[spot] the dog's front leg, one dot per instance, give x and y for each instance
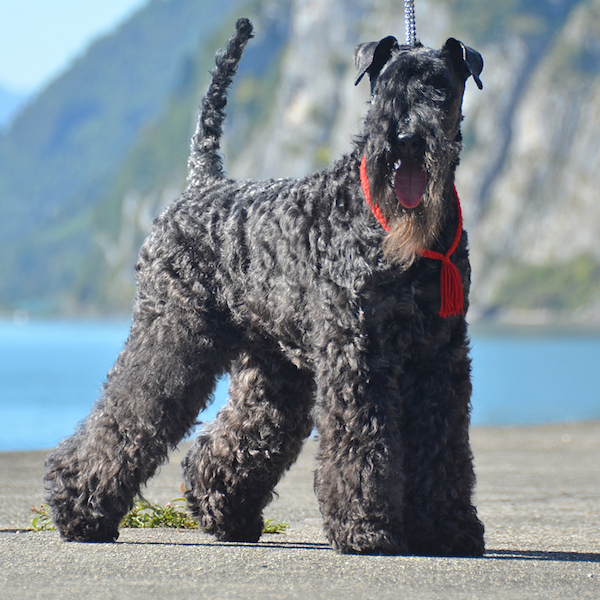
(439, 515)
(359, 482)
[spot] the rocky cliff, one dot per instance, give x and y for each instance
(529, 172)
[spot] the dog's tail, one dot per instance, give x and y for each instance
(205, 161)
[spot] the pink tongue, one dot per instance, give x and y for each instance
(409, 183)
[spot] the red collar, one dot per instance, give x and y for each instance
(451, 285)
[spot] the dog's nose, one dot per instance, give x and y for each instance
(411, 145)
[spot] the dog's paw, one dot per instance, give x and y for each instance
(472, 547)
(248, 531)
(81, 522)
(468, 546)
(87, 532)
(361, 539)
(461, 537)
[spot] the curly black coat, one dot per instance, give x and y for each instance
(284, 284)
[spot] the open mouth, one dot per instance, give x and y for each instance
(409, 182)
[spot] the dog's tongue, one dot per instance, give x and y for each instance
(409, 183)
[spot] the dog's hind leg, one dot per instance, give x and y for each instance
(151, 399)
(234, 464)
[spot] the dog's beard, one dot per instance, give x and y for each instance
(414, 230)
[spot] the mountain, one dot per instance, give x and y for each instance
(10, 103)
(63, 152)
(85, 168)
(535, 218)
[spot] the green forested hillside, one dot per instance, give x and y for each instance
(91, 161)
(153, 172)
(62, 155)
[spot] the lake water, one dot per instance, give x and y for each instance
(51, 373)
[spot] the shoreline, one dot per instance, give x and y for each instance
(523, 325)
(16, 454)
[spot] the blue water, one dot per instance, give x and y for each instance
(51, 373)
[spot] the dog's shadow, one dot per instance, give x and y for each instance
(267, 544)
(530, 555)
(553, 556)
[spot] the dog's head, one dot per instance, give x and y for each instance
(411, 139)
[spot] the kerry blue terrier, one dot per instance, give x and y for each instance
(339, 297)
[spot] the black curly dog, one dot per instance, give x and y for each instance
(321, 306)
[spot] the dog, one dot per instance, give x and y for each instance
(337, 299)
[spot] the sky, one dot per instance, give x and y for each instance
(40, 38)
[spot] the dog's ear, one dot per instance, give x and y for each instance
(465, 59)
(371, 58)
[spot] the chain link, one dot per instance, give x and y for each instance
(409, 20)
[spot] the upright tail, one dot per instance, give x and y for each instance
(205, 161)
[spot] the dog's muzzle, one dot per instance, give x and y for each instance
(409, 177)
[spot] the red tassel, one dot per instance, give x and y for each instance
(451, 290)
(451, 286)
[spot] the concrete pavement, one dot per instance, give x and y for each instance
(538, 494)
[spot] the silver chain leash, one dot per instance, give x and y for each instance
(409, 21)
